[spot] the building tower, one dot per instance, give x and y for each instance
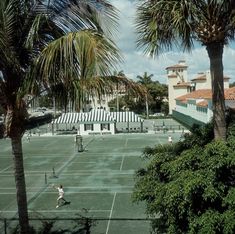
(177, 80)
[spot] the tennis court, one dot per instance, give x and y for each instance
(98, 182)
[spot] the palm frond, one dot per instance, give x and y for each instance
(163, 24)
(160, 25)
(78, 55)
(74, 15)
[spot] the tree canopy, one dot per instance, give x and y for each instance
(188, 187)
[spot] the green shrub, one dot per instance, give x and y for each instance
(189, 186)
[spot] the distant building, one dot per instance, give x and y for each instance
(97, 122)
(196, 107)
(191, 101)
(177, 80)
(102, 102)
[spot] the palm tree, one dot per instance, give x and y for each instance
(146, 80)
(118, 74)
(44, 45)
(162, 24)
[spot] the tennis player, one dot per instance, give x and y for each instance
(61, 195)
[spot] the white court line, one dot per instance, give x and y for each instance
(120, 169)
(41, 173)
(99, 173)
(54, 211)
(6, 168)
(83, 162)
(78, 187)
(110, 215)
(85, 192)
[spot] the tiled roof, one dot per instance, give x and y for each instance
(226, 78)
(198, 94)
(229, 94)
(177, 66)
(203, 103)
(183, 84)
(172, 76)
(202, 77)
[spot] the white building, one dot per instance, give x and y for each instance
(191, 102)
(102, 102)
(196, 107)
(177, 80)
(97, 121)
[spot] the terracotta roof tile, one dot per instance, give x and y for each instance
(226, 78)
(172, 76)
(177, 66)
(202, 77)
(229, 94)
(198, 94)
(183, 84)
(203, 103)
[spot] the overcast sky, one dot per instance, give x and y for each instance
(135, 63)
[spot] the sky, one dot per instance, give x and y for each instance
(136, 63)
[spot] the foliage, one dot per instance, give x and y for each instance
(156, 94)
(45, 101)
(80, 225)
(164, 24)
(45, 45)
(231, 85)
(191, 189)
(165, 108)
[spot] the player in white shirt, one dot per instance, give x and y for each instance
(61, 195)
(170, 139)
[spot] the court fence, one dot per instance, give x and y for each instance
(80, 225)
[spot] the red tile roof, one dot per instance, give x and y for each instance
(229, 94)
(226, 78)
(172, 76)
(203, 103)
(177, 66)
(198, 94)
(183, 84)
(202, 77)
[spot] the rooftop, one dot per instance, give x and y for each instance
(229, 94)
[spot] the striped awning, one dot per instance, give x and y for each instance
(127, 116)
(97, 116)
(69, 118)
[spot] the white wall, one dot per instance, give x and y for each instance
(96, 129)
(192, 110)
(226, 84)
(171, 94)
(181, 75)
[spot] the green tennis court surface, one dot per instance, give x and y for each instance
(98, 182)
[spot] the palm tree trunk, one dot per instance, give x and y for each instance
(215, 52)
(20, 184)
(117, 99)
(147, 106)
